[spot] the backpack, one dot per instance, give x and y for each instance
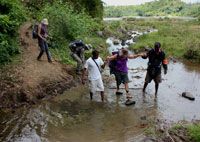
(75, 44)
(35, 31)
(113, 63)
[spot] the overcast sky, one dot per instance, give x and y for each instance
(135, 2)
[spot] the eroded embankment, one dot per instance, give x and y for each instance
(26, 80)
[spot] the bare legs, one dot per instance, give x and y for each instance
(102, 96)
(156, 88)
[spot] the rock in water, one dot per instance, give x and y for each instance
(115, 42)
(188, 96)
(129, 102)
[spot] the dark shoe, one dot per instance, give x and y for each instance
(38, 59)
(50, 61)
(119, 93)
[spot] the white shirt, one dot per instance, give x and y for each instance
(93, 71)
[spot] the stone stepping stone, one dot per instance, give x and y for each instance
(129, 102)
(188, 95)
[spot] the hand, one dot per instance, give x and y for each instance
(107, 58)
(50, 37)
(44, 39)
(83, 81)
(165, 71)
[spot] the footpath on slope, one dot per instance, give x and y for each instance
(27, 79)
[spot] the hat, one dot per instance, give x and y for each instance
(88, 46)
(45, 21)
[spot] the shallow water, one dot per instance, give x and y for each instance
(72, 117)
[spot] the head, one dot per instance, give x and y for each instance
(88, 46)
(157, 47)
(123, 53)
(95, 54)
(44, 21)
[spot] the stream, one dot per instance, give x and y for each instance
(72, 117)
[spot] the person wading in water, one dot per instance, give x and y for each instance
(121, 71)
(156, 59)
(93, 65)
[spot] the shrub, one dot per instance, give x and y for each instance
(12, 14)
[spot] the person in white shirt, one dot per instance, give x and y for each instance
(93, 65)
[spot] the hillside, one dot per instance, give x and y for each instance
(155, 8)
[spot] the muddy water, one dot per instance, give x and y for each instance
(72, 117)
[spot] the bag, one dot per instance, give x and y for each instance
(35, 31)
(113, 63)
(75, 44)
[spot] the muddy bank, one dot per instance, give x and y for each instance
(179, 132)
(27, 80)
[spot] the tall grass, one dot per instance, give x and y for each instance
(178, 39)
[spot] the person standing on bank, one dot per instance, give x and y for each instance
(121, 71)
(42, 39)
(93, 65)
(77, 48)
(156, 59)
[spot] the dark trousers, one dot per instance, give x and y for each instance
(43, 48)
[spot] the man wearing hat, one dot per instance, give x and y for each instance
(42, 36)
(77, 48)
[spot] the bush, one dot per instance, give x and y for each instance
(66, 25)
(12, 14)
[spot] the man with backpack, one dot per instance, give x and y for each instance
(42, 39)
(77, 48)
(118, 66)
(93, 65)
(156, 59)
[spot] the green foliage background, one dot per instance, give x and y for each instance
(155, 8)
(12, 15)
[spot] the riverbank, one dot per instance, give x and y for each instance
(179, 38)
(26, 80)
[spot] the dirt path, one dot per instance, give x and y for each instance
(36, 79)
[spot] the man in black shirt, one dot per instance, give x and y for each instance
(156, 59)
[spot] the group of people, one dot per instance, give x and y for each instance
(117, 63)
(118, 67)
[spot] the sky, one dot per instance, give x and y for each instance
(136, 2)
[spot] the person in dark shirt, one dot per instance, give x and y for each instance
(77, 48)
(157, 58)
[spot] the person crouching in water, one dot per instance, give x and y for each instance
(121, 70)
(77, 48)
(156, 59)
(93, 65)
(42, 39)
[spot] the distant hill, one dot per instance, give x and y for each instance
(155, 8)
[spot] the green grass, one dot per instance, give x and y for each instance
(178, 39)
(194, 132)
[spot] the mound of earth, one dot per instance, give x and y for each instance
(27, 79)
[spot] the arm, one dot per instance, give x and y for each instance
(134, 56)
(165, 65)
(83, 76)
(110, 58)
(39, 30)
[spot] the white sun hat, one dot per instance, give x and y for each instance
(45, 21)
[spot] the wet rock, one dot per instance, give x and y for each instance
(129, 102)
(149, 140)
(115, 42)
(135, 39)
(188, 96)
(124, 41)
(130, 37)
(100, 34)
